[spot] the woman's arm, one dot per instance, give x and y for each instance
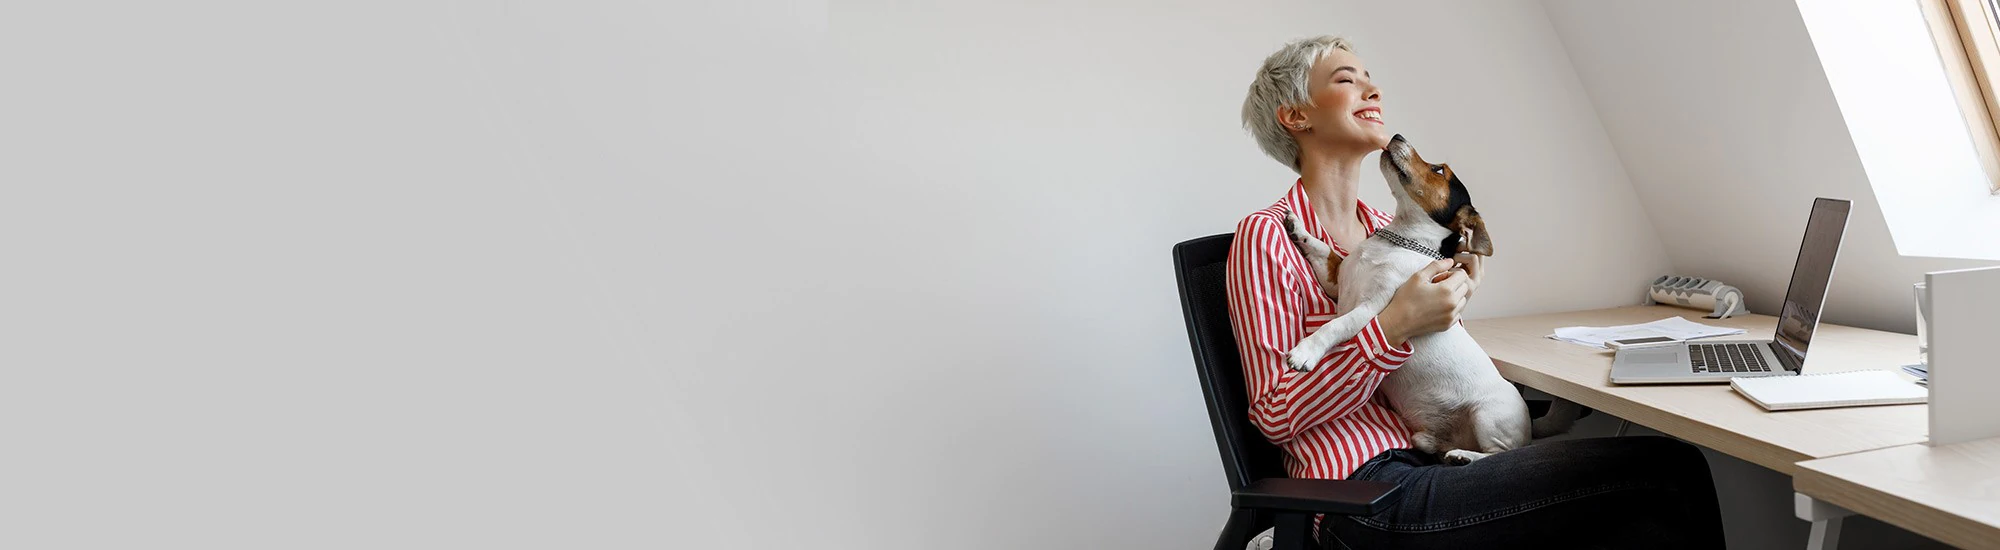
(1266, 312)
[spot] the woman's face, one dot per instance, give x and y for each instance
(1346, 114)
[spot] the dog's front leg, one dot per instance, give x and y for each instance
(1319, 256)
(1315, 346)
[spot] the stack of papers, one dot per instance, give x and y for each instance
(1671, 327)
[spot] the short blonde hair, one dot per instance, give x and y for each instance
(1284, 81)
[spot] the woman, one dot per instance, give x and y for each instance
(1314, 108)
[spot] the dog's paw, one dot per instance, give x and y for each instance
(1461, 457)
(1301, 359)
(1297, 231)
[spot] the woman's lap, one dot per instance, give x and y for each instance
(1627, 492)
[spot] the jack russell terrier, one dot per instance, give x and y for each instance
(1448, 393)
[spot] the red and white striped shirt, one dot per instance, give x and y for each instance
(1328, 420)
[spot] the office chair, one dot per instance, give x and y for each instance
(1260, 493)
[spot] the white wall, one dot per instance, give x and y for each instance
(1099, 104)
(1723, 118)
(286, 276)
(686, 275)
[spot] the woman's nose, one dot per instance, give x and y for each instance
(1374, 93)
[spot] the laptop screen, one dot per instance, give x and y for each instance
(1810, 275)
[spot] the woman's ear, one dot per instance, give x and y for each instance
(1472, 231)
(1293, 119)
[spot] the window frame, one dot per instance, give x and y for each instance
(1963, 31)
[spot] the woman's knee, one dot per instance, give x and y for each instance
(1646, 448)
(1638, 458)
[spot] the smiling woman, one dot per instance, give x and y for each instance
(1314, 107)
(1285, 87)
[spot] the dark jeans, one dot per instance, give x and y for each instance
(1623, 492)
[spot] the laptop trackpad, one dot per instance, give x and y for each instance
(1664, 355)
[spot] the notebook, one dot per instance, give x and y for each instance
(1833, 389)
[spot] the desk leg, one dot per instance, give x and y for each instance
(1825, 518)
(1825, 535)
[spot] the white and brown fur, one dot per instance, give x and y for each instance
(1448, 392)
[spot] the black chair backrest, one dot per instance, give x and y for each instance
(1199, 267)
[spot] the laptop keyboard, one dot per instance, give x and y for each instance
(1727, 358)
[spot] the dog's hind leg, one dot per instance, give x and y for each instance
(1487, 427)
(1461, 457)
(1497, 425)
(1424, 441)
(1432, 433)
(1445, 449)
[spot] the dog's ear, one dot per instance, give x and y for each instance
(1468, 224)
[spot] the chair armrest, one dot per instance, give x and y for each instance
(1344, 497)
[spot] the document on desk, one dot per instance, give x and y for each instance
(1671, 327)
(1829, 389)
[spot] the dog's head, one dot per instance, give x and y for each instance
(1435, 191)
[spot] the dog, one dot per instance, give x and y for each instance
(1448, 393)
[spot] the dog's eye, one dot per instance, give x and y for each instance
(1437, 169)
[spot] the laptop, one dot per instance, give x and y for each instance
(1717, 362)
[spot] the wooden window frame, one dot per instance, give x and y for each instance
(1967, 44)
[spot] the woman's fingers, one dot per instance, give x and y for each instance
(1438, 270)
(1460, 283)
(1474, 266)
(1436, 267)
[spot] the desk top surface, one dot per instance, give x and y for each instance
(1712, 415)
(1950, 493)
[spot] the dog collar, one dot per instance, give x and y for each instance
(1408, 243)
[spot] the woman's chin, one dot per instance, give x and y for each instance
(1379, 139)
(1357, 143)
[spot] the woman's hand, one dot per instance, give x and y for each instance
(1430, 301)
(1475, 269)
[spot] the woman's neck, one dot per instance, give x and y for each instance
(1334, 186)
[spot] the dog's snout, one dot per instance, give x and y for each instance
(1398, 148)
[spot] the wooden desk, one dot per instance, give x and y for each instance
(1949, 493)
(1712, 415)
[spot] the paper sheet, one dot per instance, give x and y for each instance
(1671, 327)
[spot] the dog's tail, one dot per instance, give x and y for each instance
(1560, 418)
